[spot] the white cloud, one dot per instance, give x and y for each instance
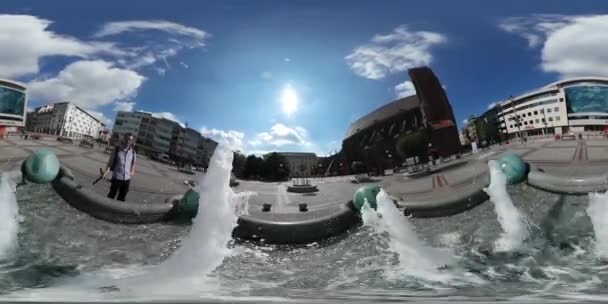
(124, 106)
(89, 84)
(150, 52)
(465, 121)
(266, 75)
(167, 115)
(280, 135)
(535, 28)
(393, 53)
(405, 89)
(108, 122)
(26, 39)
(114, 28)
(493, 104)
(231, 138)
(570, 45)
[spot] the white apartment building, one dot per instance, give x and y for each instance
(65, 119)
(567, 106)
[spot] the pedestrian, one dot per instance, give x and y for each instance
(122, 164)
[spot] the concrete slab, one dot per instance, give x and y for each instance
(597, 143)
(75, 149)
(58, 152)
(561, 154)
(520, 151)
(4, 143)
(27, 143)
(562, 143)
(12, 152)
(597, 153)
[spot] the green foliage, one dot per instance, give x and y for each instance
(413, 144)
(253, 166)
(238, 164)
(275, 167)
(357, 167)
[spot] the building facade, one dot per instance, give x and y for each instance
(484, 130)
(127, 122)
(301, 164)
(13, 104)
(155, 135)
(65, 119)
(425, 117)
(573, 105)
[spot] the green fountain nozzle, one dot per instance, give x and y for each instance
(187, 206)
(364, 193)
(41, 167)
(514, 167)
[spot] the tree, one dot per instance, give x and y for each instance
(275, 167)
(413, 144)
(357, 167)
(238, 164)
(253, 166)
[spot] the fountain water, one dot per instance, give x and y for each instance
(282, 197)
(513, 223)
(207, 243)
(9, 215)
(598, 213)
(415, 258)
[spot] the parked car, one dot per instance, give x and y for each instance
(187, 170)
(65, 140)
(86, 144)
(164, 158)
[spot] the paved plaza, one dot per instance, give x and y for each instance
(156, 181)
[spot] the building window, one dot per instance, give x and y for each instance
(535, 112)
(557, 118)
(550, 118)
(549, 110)
(529, 113)
(530, 122)
(525, 123)
(561, 100)
(556, 109)
(542, 119)
(542, 110)
(537, 120)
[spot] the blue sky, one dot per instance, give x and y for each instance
(291, 75)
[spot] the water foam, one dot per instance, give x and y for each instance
(598, 213)
(9, 216)
(415, 258)
(207, 243)
(188, 270)
(513, 223)
(282, 197)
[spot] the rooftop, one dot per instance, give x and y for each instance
(382, 113)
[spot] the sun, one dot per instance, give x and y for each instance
(289, 100)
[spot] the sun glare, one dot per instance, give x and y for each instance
(289, 100)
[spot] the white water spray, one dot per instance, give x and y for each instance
(9, 216)
(282, 197)
(207, 244)
(415, 258)
(515, 230)
(598, 213)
